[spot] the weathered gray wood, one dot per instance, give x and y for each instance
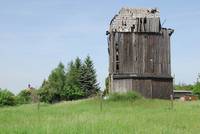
(143, 55)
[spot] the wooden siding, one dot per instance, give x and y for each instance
(145, 53)
(149, 88)
(146, 56)
(139, 53)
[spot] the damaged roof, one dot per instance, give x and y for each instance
(128, 19)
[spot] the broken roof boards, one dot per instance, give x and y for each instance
(136, 20)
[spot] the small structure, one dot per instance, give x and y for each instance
(180, 93)
(185, 95)
(139, 53)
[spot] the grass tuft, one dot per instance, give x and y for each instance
(128, 96)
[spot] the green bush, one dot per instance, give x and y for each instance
(106, 91)
(73, 92)
(184, 87)
(128, 96)
(7, 98)
(24, 97)
(27, 96)
(196, 89)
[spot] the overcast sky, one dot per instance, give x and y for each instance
(35, 35)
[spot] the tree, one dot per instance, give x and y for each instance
(43, 92)
(78, 81)
(24, 97)
(183, 86)
(196, 88)
(7, 98)
(56, 82)
(106, 91)
(29, 95)
(72, 89)
(51, 89)
(88, 78)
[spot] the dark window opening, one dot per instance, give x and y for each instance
(140, 21)
(117, 54)
(117, 50)
(145, 20)
(117, 67)
(133, 28)
(117, 57)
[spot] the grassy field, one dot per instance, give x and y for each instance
(85, 117)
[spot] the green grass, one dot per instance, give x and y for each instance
(117, 117)
(129, 96)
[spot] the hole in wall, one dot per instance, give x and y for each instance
(133, 28)
(145, 20)
(117, 67)
(117, 57)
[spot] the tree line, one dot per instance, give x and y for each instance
(195, 88)
(75, 81)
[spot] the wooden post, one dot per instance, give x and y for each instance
(101, 103)
(99, 95)
(38, 106)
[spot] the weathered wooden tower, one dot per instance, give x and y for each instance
(139, 53)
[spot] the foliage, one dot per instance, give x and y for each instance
(7, 98)
(88, 78)
(73, 92)
(106, 91)
(44, 93)
(196, 89)
(72, 89)
(184, 87)
(51, 89)
(129, 96)
(24, 97)
(56, 82)
(75, 82)
(27, 96)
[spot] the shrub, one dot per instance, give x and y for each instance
(27, 96)
(184, 87)
(24, 97)
(129, 96)
(73, 92)
(44, 94)
(106, 91)
(196, 89)
(7, 98)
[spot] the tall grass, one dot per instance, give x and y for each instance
(128, 96)
(117, 117)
